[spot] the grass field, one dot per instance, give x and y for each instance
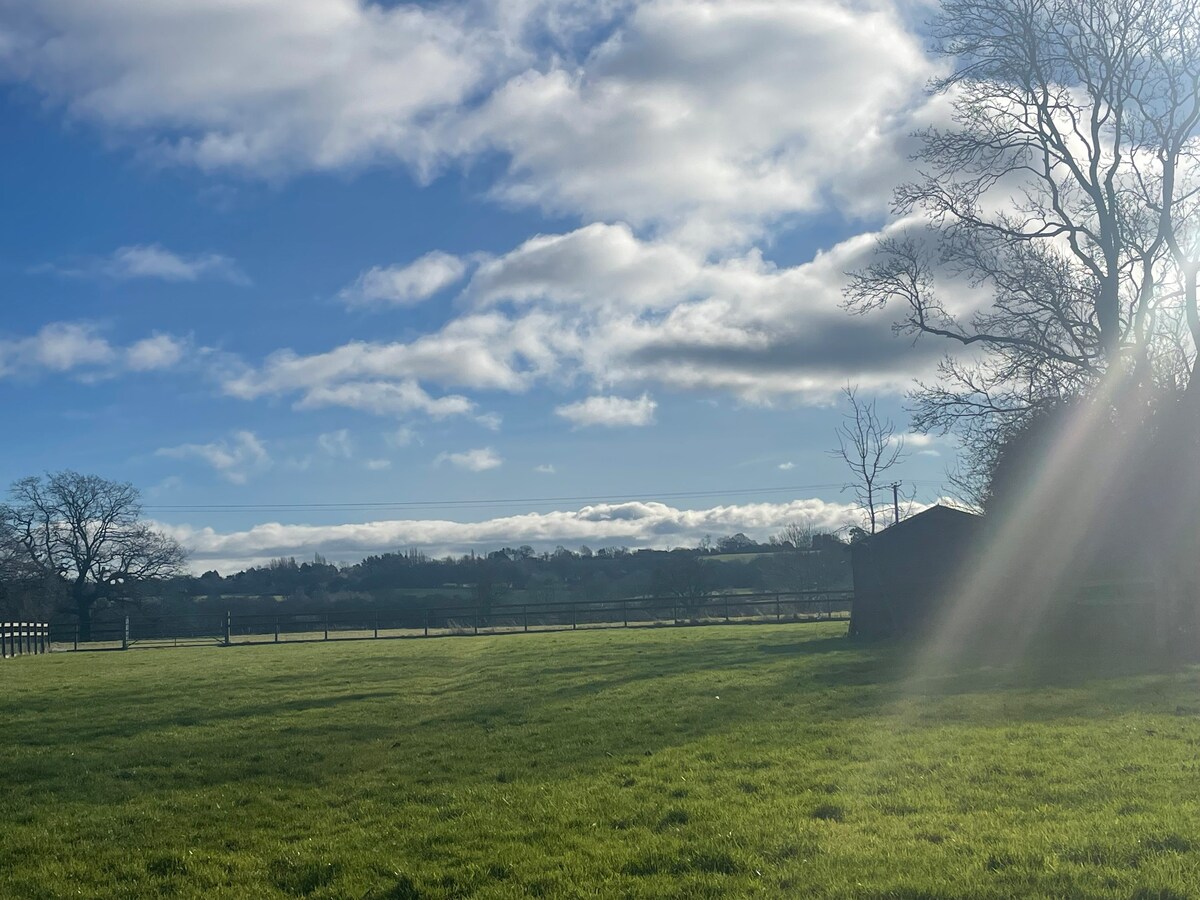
(704, 762)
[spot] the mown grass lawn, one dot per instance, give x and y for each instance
(722, 761)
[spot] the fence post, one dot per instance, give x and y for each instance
(475, 620)
(624, 613)
(277, 629)
(377, 625)
(574, 615)
(125, 635)
(778, 617)
(726, 607)
(426, 623)
(525, 614)
(228, 628)
(76, 647)
(326, 626)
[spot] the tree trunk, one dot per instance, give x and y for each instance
(83, 610)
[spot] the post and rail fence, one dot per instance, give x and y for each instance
(24, 638)
(231, 629)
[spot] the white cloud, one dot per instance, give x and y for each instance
(596, 264)
(269, 86)
(405, 285)
(787, 466)
(545, 469)
(491, 421)
(151, 261)
(58, 347)
(160, 351)
(337, 444)
(703, 118)
(923, 443)
(385, 399)
(377, 465)
(562, 307)
(400, 437)
(235, 459)
(478, 460)
(634, 524)
(708, 118)
(610, 412)
(481, 351)
(81, 350)
(155, 261)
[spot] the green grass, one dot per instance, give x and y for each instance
(702, 762)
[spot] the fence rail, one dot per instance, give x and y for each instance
(24, 638)
(337, 624)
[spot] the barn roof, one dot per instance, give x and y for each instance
(934, 518)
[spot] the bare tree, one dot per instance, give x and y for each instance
(1067, 188)
(870, 447)
(799, 536)
(86, 534)
(685, 579)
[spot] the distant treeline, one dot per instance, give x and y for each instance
(797, 559)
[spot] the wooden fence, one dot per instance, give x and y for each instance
(342, 624)
(24, 638)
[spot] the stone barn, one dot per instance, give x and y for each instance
(903, 574)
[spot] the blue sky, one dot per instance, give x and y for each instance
(331, 253)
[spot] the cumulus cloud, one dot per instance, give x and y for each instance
(58, 347)
(235, 459)
(160, 351)
(478, 460)
(545, 469)
(710, 117)
(405, 285)
(610, 412)
(270, 87)
(481, 351)
(633, 524)
(80, 349)
(706, 118)
(561, 307)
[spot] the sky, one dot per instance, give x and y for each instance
(345, 277)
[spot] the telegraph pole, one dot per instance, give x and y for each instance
(895, 502)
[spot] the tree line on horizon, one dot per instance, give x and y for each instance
(76, 546)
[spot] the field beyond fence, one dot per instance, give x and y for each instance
(338, 624)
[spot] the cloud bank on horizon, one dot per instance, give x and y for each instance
(634, 524)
